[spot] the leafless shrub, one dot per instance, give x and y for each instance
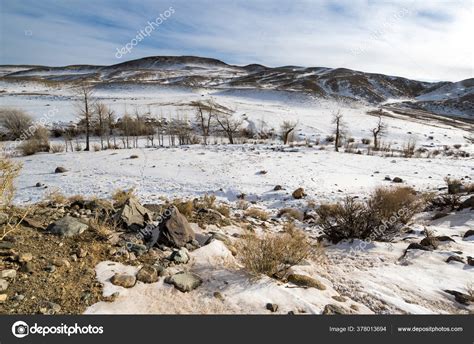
(257, 213)
(17, 123)
(379, 218)
(9, 171)
(273, 254)
(121, 196)
(56, 148)
(408, 149)
(38, 142)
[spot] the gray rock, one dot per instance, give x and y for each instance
(468, 203)
(298, 193)
(25, 257)
(138, 249)
(468, 233)
(3, 285)
(50, 308)
(175, 230)
(455, 258)
(67, 227)
(60, 169)
(332, 309)
(134, 215)
(272, 307)
(184, 281)
(147, 274)
(220, 237)
(123, 280)
(180, 256)
(8, 273)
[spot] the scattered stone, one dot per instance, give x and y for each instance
(455, 188)
(218, 295)
(277, 188)
(50, 268)
(461, 297)
(134, 156)
(305, 281)
(220, 237)
(298, 193)
(138, 249)
(180, 256)
(397, 180)
(416, 246)
(134, 215)
(38, 185)
(25, 257)
(272, 307)
(123, 280)
(147, 274)
(470, 261)
(184, 281)
(3, 298)
(332, 309)
(444, 238)
(60, 170)
(339, 298)
(468, 203)
(18, 297)
(455, 258)
(67, 227)
(50, 308)
(175, 230)
(387, 178)
(28, 267)
(468, 233)
(8, 273)
(3, 285)
(81, 252)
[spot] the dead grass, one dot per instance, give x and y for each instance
(257, 213)
(121, 196)
(291, 213)
(9, 171)
(274, 253)
(380, 217)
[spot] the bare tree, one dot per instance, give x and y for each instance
(204, 114)
(85, 105)
(286, 128)
(110, 127)
(228, 124)
(339, 131)
(101, 115)
(378, 131)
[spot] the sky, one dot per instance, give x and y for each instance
(426, 40)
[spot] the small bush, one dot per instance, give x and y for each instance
(38, 142)
(291, 213)
(408, 149)
(330, 138)
(56, 197)
(18, 124)
(96, 147)
(56, 148)
(450, 201)
(224, 210)
(185, 207)
(380, 217)
(273, 254)
(366, 141)
(257, 213)
(121, 196)
(9, 170)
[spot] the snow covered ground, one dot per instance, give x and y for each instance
(375, 280)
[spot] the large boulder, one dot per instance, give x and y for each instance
(174, 230)
(67, 227)
(184, 281)
(469, 203)
(133, 215)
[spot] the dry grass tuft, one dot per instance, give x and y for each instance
(274, 253)
(257, 214)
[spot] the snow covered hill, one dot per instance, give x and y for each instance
(451, 99)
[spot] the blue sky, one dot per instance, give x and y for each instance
(428, 40)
